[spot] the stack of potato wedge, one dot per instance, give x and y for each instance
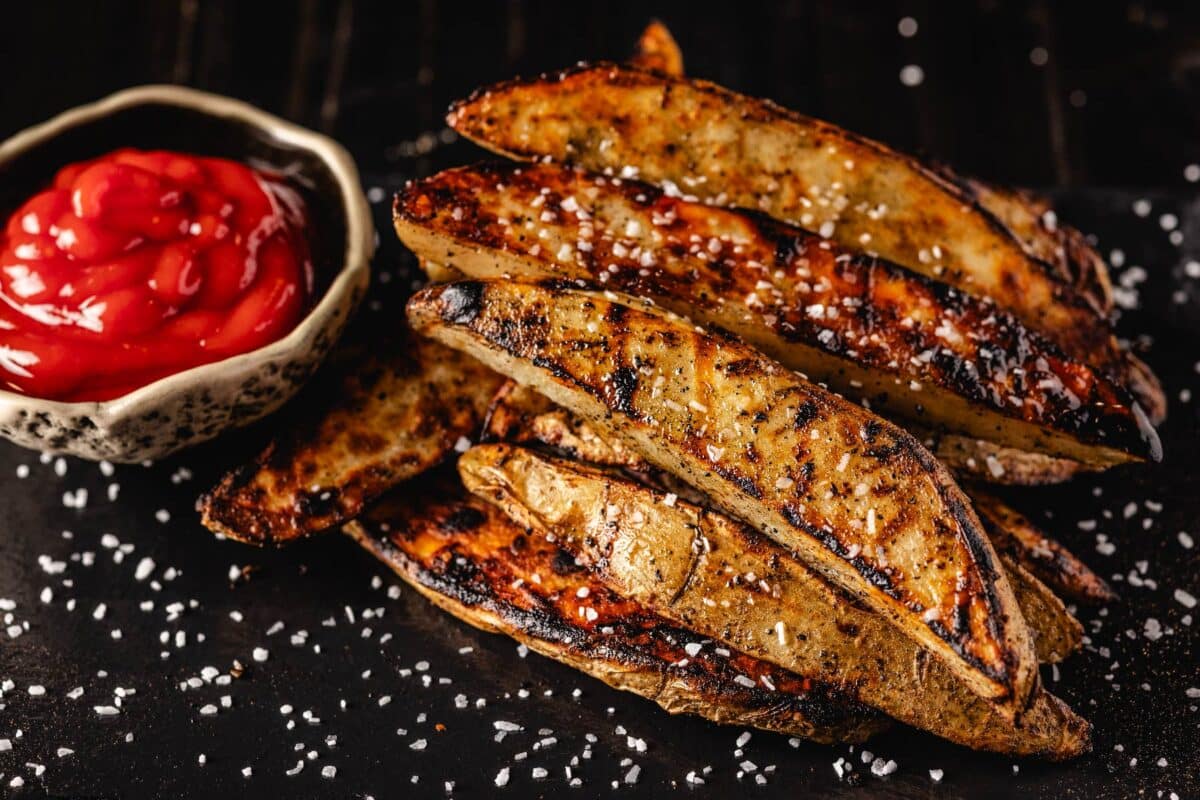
(741, 379)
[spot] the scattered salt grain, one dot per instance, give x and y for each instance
(911, 75)
(144, 568)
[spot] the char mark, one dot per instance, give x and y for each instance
(625, 384)
(462, 303)
(805, 415)
(739, 479)
(318, 502)
(464, 518)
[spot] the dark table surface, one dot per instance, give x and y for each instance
(375, 692)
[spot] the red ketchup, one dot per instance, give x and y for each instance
(140, 264)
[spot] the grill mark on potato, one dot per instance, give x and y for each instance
(625, 383)
(804, 415)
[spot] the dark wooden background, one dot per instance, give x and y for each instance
(1117, 101)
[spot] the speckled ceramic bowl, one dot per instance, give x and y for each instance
(196, 404)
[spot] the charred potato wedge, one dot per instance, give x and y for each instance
(1027, 216)
(722, 579)
(987, 462)
(1032, 221)
(470, 560)
(519, 414)
(657, 50)
(395, 415)
(1056, 632)
(855, 496)
(1016, 536)
(913, 347)
(726, 147)
(512, 410)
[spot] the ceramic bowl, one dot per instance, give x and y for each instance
(196, 404)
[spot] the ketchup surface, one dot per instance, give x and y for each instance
(141, 264)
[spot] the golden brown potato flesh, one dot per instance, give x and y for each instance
(1056, 632)
(720, 145)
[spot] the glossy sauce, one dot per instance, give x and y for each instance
(137, 265)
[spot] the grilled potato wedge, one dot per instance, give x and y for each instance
(472, 561)
(852, 494)
(1015, 535)
(722, 579)
(395, 415)
(519, 413)
(988, 462)
(1056, 634)
(1031, 220)
(512, 411)
(913, 347)
(723, 146)
(1028, 217)
(657, 50)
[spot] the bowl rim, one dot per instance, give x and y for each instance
(354, 271)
